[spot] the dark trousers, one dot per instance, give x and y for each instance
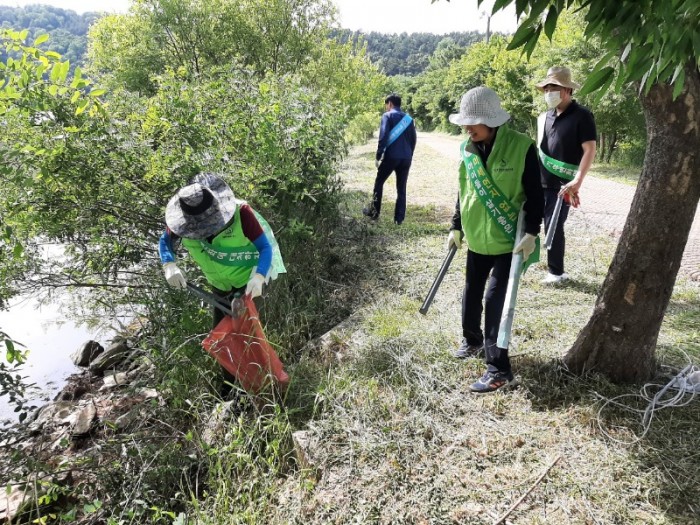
(387, 166)
(555, 255)
(478, 269)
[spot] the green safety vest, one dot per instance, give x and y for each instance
(505, 165)
(228, 260)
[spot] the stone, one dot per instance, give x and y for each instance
(114, 380)
(83, 420)
(216, 424)
(114, 355)
(55, 411)
(305, 445)
(15, 502)
(86, 353)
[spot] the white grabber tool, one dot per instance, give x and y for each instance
(516, 267)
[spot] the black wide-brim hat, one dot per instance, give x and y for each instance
(201, 209)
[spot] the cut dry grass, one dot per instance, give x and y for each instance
(401, 440)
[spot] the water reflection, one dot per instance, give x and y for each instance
(51, 338)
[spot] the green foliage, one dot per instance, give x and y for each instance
(657, 41)
(68, 30)
(409, 54)
(361, 128)
(277, 36)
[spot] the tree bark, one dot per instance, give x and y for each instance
(620, 338)
(612, 142)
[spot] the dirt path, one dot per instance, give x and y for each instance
(605, 205)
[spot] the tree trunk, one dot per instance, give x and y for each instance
(612, 142)
(601, 150)
(619, 340)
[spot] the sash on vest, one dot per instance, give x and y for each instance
(561, 169)
(556, 167)
(499, 207)
(397, 130)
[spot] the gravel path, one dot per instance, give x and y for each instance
(606, 203)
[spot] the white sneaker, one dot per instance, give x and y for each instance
(555, 279)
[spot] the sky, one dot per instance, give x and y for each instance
(385, 16)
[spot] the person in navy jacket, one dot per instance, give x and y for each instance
(397, 142)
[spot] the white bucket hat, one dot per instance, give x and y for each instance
(559, 76)
(201, 209)
(480, 105)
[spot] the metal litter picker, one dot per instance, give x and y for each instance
(438, 280)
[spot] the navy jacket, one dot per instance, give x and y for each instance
(402, 147)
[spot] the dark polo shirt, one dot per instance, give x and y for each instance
(563, 136)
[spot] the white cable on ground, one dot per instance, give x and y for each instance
(686, 385)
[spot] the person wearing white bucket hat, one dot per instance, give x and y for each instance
(566, 136)
(499, 175)
(231, 243)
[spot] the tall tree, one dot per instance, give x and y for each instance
(656, 47)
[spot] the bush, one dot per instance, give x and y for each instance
(361, 128)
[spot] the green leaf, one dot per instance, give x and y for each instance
(603, 89)
(595, 81)
(678, 84)
(41, 39)
(97, 92)
(82, 106)
(521, 36)
(550, 24)
(498, 5)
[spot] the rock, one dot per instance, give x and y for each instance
(57, 410)
(111, 357)
(86, 353)
(334, 344)
(305, 445)
(14, 502)
(216, 423)
(114, 380)
(77, 385)
(83, 421)
(126, 420)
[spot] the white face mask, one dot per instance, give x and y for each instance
(552, 98)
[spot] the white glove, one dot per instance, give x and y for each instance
(376, 163)
(255, 285)
(526, 245)
(174, 275)
(455, 238)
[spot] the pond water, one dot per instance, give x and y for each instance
(50, 338)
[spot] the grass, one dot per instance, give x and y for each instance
(617, 173)
(399, 438)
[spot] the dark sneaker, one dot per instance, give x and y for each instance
(398, 223)
(492, 381)
(466, 350)
(368, 212)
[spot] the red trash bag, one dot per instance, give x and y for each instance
(240, 346)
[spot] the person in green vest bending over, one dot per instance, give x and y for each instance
(232, 243)
(499, 175)
(566, 136)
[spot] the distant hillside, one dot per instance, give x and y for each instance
(395, 54)
(407, 54)
(67, 29)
